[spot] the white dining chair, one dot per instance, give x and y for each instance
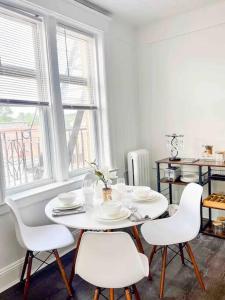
(47, 238)
(179, 229)
(111, 260)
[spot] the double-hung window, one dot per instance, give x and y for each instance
(23, 101)
(77, 70)
(28, 123)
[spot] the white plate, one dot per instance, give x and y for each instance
(189, 178)
(61, 205)
(124, 214)
(153, 196)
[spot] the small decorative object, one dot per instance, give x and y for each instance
(174, 144)
(172, 173)
(103, 176)
(207, 152)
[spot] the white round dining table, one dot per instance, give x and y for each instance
(88, 220)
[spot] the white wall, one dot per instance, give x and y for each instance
(121, 96)
(181, 81)
(122, 90)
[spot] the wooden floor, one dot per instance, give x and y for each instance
(180, 280)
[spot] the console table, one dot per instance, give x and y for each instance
(207, 172)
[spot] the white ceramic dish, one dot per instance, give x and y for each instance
(189, 178)
(123, 215)
(141, 192)
(67, 198)
(61, 205)
(152, 196)
(111, 208)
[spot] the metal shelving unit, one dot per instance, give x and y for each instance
(205, 175)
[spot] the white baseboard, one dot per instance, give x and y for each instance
(10, 275)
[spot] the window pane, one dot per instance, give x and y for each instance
(22, 70)
(23, 145)
(80, 134)
(76, 66)
(17, 49)
(16, 88)
(72, 93)
(73, 53)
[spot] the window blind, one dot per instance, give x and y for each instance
(22, 72)
(76, 66)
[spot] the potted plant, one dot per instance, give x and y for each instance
(104, 177)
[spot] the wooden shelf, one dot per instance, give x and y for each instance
(209, 231)
(193, 162)
(178, 182)
(165, 180)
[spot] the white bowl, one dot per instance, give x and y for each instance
(142, 192)
(111, 208)
(67, 198)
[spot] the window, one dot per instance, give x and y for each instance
(23, 101)
(77, 83)
(38, 94)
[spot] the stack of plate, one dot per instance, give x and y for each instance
(189, 178)
(59, 205)
(148, 197)
(122, 215)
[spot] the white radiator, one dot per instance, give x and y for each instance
(139, 167)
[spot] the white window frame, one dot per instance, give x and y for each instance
(14, 71)
(60, 170)
(95, 106)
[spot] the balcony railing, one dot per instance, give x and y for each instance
(24, 158)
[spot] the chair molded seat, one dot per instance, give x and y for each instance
(47, 237)
(110, 260)
(167, 231)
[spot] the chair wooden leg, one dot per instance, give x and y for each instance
(150, 260)
(97, 293)
(75, 257)
(136, 293)
(181, 253)
(24, 266)
(27, 282)
(111, 294)
(138, 240)
(128, 294)
(163, 272)
(197, 273)
(62, 272)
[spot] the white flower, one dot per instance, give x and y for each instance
(105, 172)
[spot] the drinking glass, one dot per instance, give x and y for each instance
(88, 190)
(121, 187)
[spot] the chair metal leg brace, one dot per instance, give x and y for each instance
(129, 291)
(165, 264)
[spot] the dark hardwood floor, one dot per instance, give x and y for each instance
(180, 284)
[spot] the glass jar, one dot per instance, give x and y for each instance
(217, 227)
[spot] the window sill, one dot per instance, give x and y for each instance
(43, 193)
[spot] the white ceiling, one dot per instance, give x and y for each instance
(143, 11)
